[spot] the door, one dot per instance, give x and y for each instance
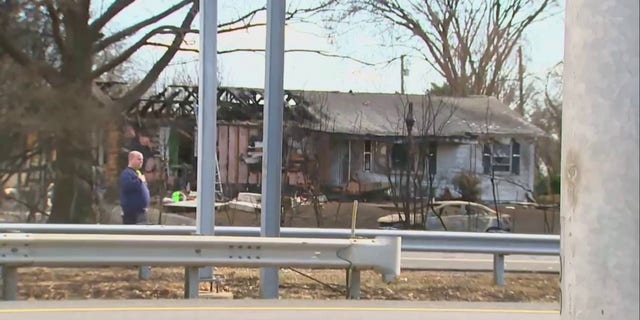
(339, 167)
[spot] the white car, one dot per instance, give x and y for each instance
(455, 215)
(247, 201)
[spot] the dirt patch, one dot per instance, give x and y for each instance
(167, 283)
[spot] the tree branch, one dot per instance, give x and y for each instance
(136, 92)
(126, 54)
(468, 42)
(319, 52)
(55, 26)
(110, 13)
(48, 73)
(124, 33)
(242, 27)
(249, 16)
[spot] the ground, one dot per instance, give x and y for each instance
(339, 215)
(121, 283)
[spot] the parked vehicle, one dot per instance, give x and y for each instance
(247, 201)
(455, 215)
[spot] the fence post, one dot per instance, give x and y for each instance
(498, 269)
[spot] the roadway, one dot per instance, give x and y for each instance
(272, 310)
(477, 262)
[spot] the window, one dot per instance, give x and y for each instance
(449, 210)
(367, 156)
(399, 156)
(501, 157)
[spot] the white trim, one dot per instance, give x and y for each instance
(349, 164)
(364, 156)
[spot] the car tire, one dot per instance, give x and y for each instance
(495, 230)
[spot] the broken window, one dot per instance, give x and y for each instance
(399, 156)
(501, 157)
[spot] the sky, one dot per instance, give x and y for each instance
(542, 49)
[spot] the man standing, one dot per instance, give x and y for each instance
(134, 193)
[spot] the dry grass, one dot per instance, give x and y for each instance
(123, 283)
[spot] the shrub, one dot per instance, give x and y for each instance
(467, 185)
(544, 181)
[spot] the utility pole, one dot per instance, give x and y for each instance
(402, 73)
(406, 203)
(207, 125)
(272, 133)
(600, 172)
(520, 83)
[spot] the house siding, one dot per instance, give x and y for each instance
(338, 150)
(451, 159)
(455, 158)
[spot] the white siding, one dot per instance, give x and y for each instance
(455, 158)
(452, 158)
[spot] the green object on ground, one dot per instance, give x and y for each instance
(177, 196)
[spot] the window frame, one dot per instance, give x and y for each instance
(431, 157)
(503, 166)
(367, 156)
(489, 158)
(398, 157)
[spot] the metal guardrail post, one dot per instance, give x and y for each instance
(353, 284)
(498, 269)
(144, 272)
(9, 283)
(191, 282)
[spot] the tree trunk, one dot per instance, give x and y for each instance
(73, 196)
(113, 154)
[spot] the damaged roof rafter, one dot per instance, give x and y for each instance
(243, 104)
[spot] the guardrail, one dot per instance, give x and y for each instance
(496, 244)
(425, 241)
(83, 250)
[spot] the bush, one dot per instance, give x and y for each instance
(542, 187)
(468, 186)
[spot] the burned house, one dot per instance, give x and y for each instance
(351, 143)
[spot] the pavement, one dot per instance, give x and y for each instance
(478, 262)
(273, 309)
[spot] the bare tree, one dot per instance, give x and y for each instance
(70, 106)
(469, 43)
(547, 115)
(412, 183)
(302, 137)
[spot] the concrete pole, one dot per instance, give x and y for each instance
(272, 135)
(207, 127)
(402, 74)
(599, 201)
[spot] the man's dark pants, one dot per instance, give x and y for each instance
(134, 218)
